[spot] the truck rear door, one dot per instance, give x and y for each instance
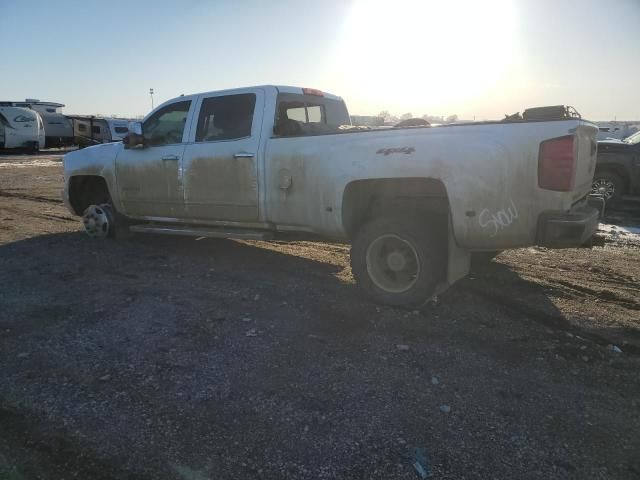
(221, 159)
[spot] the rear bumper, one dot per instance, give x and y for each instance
(572, 228)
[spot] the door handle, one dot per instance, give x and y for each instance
(172, 158)
(244, 155)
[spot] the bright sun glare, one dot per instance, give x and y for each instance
(408, 50)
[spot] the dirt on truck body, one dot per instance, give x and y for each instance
(170, 357)
(415, 204)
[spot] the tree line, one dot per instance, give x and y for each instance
(390, 118)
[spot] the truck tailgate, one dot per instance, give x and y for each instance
(586, 153)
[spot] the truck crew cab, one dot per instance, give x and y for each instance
(413, 202)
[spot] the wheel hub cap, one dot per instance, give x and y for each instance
(96, 221)
(392, 263)
(604, 188)
(396, 261)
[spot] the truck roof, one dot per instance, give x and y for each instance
(300, 91)
(278, 88)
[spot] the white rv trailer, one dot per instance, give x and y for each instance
(21, 128)
(91, 130)
(58, 128)
(119, 128)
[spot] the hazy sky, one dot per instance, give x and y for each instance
(472, 58)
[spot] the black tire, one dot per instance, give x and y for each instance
(103, 221)
(413, 239)
(120, 225)
(610, 186)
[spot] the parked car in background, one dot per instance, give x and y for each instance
(414, 203)
(617, 169)
(21, 128)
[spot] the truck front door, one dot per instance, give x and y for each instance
(220, 161)
(150, 179)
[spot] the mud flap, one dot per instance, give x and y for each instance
(458, 262)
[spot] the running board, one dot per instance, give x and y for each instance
(202, 232)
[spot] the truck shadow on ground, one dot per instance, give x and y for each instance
(173, 309)
(313, 276)
(498, 283)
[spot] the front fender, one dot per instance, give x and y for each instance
(98, 161)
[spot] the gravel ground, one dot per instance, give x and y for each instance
(162, 357)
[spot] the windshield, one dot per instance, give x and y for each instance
(633, 139)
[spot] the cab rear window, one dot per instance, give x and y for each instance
(308, 115)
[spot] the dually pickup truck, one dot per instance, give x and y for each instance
(414, 203)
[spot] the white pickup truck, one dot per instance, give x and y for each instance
(415, 203)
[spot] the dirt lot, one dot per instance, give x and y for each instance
(161, 357)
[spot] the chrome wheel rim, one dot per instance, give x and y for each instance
(96, 221)
(392, 263)
(603, 187)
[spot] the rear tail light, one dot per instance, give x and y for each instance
(557, 164)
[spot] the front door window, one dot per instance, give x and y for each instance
(166, 126)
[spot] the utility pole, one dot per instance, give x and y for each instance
(151, 94)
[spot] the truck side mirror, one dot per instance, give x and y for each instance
(135, 138)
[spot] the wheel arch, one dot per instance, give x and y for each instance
(363, 200)
(85, 190)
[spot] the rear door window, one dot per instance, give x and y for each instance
(226, 117)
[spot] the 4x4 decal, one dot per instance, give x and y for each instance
(388, 151)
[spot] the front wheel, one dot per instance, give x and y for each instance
(102, 221)
(397, 262)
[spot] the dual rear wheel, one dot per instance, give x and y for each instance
(397, 262)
